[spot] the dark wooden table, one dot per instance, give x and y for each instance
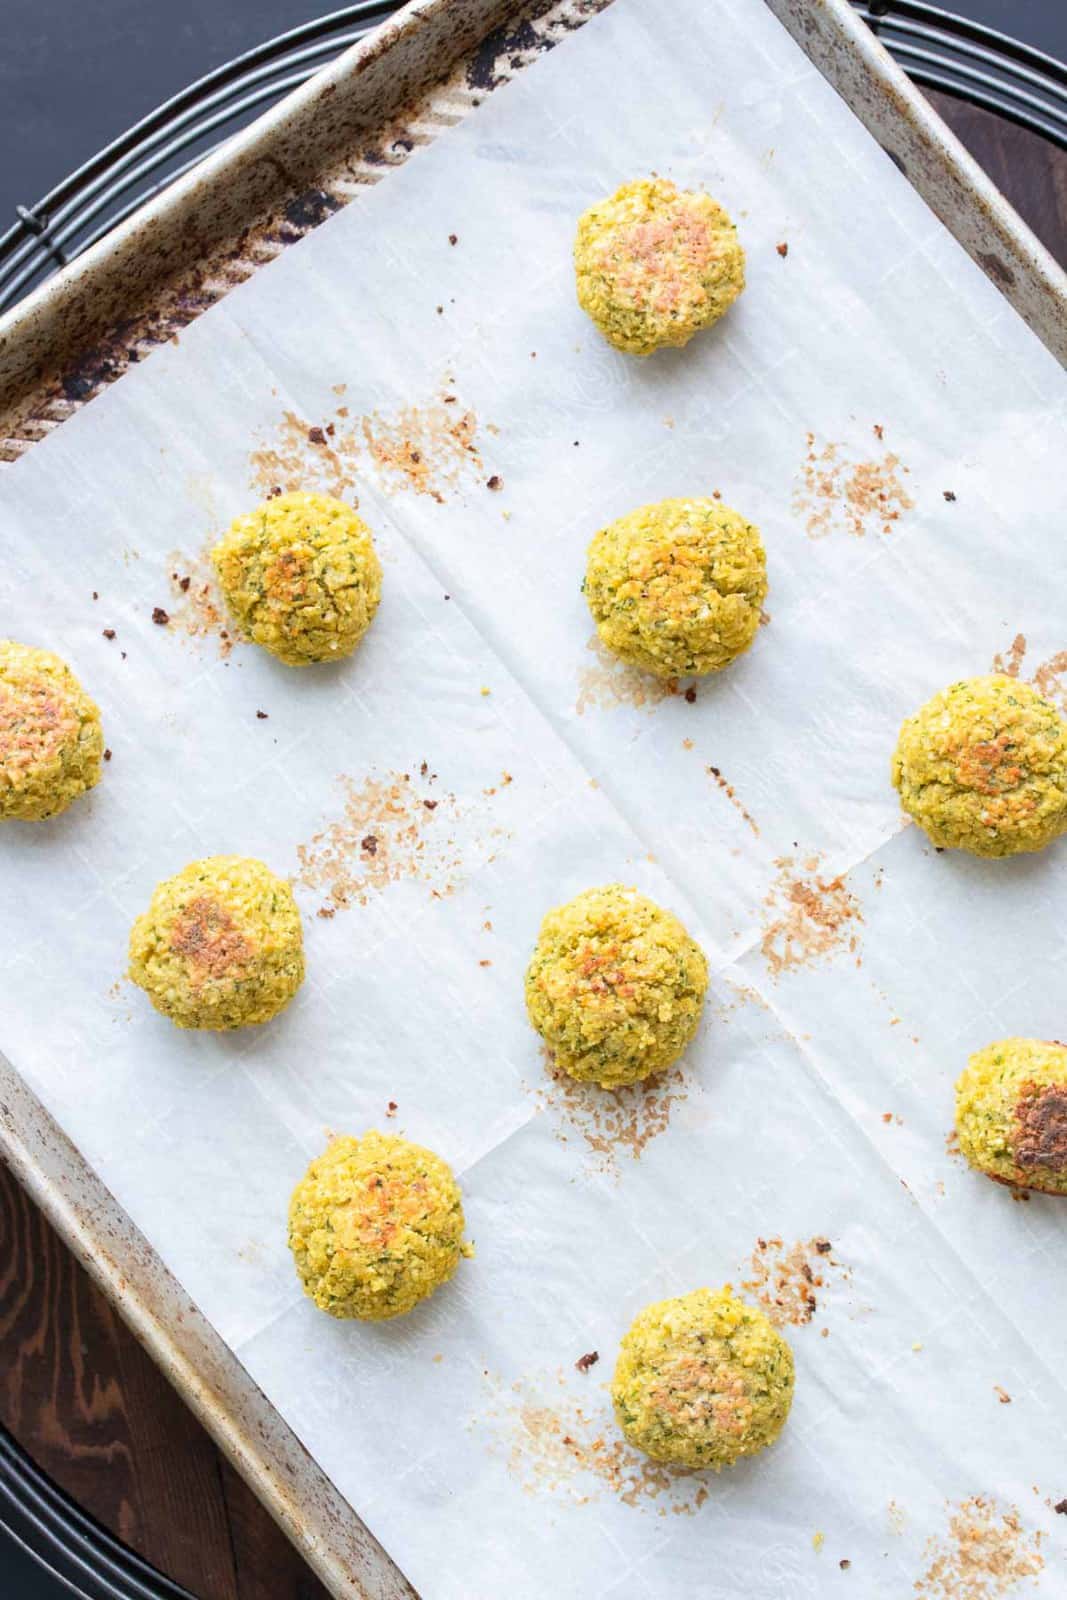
(75, 1387)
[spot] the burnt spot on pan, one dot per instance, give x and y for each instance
(308, 210)
(1001, 274)
(500, 54)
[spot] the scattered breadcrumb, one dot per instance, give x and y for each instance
(391, 827)
(607, 682)
(836, 493)
(783, 1278)
(557, 1445)
(610, 1123)
(984, 1554)
(810, 917)
(731, 794)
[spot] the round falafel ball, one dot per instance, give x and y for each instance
(51, 742)
(983, 767)
(220, 946)
(702, 1380)
(301, 577)
(615, 987)
(655, 264)
(676, 588)
(1011, 1113)
(375, 1225)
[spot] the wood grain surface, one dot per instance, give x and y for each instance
(75, 1387)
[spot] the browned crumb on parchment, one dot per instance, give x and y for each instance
(1049, 677)
(785, 1278)
(385, 832)
(298, 454)
(837, 492)
(431, 449)
(809, 917)
(731, 794)
(606, 682)
(391, 827)
(558, 1445)
(118, 992)
(1010, 661)
(609, 1123)
(196, 609)
(986, 1553)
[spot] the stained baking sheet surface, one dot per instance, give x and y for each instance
(891, 425)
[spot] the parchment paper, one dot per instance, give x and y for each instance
(815, 1103)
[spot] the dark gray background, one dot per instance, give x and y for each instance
(76, 73)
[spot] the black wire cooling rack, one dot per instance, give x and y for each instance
(50, 1547)
(938, 50)
(167, 143)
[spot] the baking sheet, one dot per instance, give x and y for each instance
(853, 968)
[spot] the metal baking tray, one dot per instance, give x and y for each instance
(349, 127)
